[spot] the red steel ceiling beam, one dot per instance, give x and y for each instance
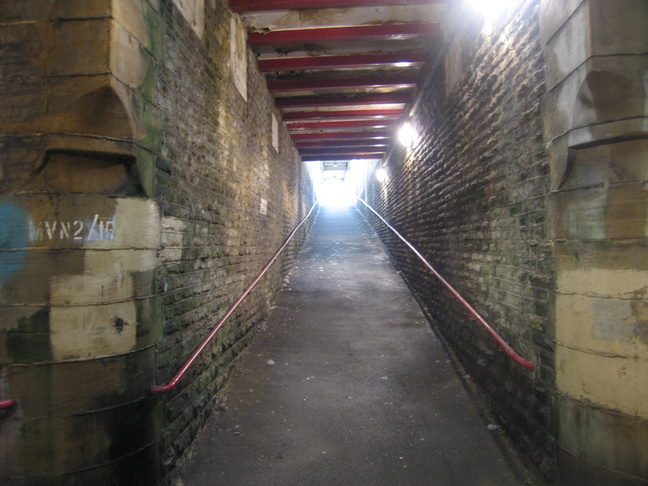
(341, 151)
(334, 125)
(339, 158)
(367, 141)
(343, 100)
(360, 144)
(350, 144)
(403, 59)
(370, 33)
(330, 84)
(374, 135)
(342, 114)
(268, 5)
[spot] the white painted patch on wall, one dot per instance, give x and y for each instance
(172, 240)
(238, 55)
(194, 13)
(275, 132)
(91, 289)
(263, 208)
(93, 331)
(454, 66)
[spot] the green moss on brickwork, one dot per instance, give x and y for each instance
(37, 452)
(135, 428)
(148, 88)
(617, 436)
(149, 317)
(149, 116)
(146, 164)
(154, 28)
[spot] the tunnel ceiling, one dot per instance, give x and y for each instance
(342, 71)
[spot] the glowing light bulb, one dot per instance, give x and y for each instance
(406, 134)
(489, 7)
(490, 10)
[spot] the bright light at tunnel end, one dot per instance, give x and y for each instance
(335, 194)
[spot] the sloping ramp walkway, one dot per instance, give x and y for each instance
(347, 385)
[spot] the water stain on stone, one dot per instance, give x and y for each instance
(639, 309)
(30, 341)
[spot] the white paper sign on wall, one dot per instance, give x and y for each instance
(238, 56)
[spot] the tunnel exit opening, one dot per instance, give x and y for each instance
(337, 184)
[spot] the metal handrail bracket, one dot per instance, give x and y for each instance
(194, 356)
(508, 350)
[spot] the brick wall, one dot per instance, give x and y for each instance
(470, 195)
(228, 199)
(143, 194)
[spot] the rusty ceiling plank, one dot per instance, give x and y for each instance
(404, 59)
(334, 125)
(342, 114)
(267, 5)
(332, 84)
(373, 33)
(343, 100)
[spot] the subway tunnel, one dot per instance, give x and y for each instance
(347, 384)
(156, 156)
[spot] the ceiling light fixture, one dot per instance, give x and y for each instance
(490, 10)
(491, 6)
(406, 134)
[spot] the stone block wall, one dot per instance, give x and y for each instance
(141, 192)
(471, 196)
(597, 72)
(80, 232)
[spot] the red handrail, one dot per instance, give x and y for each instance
(178, 376)
(508, 350)
(6, 404)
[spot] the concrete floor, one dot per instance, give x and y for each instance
(347, 385)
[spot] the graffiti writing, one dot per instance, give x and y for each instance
(98, 229)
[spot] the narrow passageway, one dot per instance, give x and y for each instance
(347, 385)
